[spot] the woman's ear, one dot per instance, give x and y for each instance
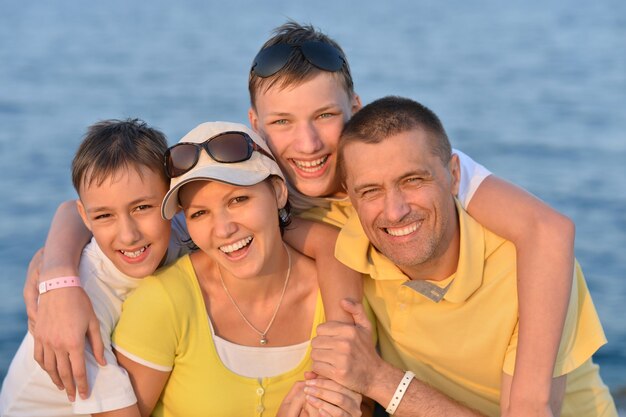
(280, 190)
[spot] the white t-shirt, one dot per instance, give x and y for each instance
(472, 175)
(28, 391)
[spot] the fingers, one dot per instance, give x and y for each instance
(64, 369)
(49, 364)
(31, 289)
(30, 299)
(332, 399)
(95, 339)
(358, 313)
(77, 372)
(294, 402)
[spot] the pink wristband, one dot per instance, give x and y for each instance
(60, 282)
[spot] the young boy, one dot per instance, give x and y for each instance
(118, 175)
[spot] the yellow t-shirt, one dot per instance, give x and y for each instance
(336, 213)
(462, 344)
(164, 325)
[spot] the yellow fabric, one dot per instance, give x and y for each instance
(336, 213)
(165, 323)
(462, 344)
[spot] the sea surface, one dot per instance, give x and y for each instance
(535, 91)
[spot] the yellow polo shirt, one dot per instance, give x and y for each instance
(462, 344)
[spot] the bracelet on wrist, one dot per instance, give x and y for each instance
(60, 282)
(403, 386)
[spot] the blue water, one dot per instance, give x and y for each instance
(536, 92)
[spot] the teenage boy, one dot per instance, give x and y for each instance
(302, 94)
(411, 239)
(118, 175)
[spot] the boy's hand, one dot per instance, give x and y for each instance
(64, 317)
(31, 290)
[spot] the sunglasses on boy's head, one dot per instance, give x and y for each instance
(271, 59)
(226, 148)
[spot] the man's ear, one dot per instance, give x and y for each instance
(254, 119)
(280, 190)
(83, 214)
(356, 104)
(454, 168)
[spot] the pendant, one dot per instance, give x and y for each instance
(263, 340)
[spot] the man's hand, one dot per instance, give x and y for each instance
(346, 353)
(64, 317)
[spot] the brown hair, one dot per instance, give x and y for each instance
(113, 144)
(390, 116)
(297, 69)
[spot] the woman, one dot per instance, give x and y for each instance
(226, 330)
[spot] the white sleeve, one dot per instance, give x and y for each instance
(109, 386)
(472, 175)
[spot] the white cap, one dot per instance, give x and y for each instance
(249, 172)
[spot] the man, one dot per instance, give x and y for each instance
(443, 288)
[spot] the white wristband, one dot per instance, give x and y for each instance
(60, 282)
(403, 386)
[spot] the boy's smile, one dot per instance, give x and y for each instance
(123, 213)
(302, 125)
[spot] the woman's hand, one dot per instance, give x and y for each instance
(294, 403)
(329, 398)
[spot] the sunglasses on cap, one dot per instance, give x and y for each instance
(322, 55)
(226, 148)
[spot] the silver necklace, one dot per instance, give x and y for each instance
(263, 334)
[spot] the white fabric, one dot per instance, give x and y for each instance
(27, 390)
(258, 362)
(472, 175)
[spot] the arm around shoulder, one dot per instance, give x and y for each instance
(544, 241)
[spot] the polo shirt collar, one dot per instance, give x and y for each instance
(355, 251)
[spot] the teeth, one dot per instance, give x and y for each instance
(311, 166)
(401, 231)
(236, 246)
(135, 253)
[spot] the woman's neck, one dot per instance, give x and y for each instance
(246, 289)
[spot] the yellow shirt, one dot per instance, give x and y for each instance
(462, 344)
(336, 213)
(164, 325)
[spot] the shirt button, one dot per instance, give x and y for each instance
(260, 391)
(260, 408)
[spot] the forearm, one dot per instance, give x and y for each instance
(545, 268)
(544, 241)
(66, 239)
(420, 400)
(336, 281)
